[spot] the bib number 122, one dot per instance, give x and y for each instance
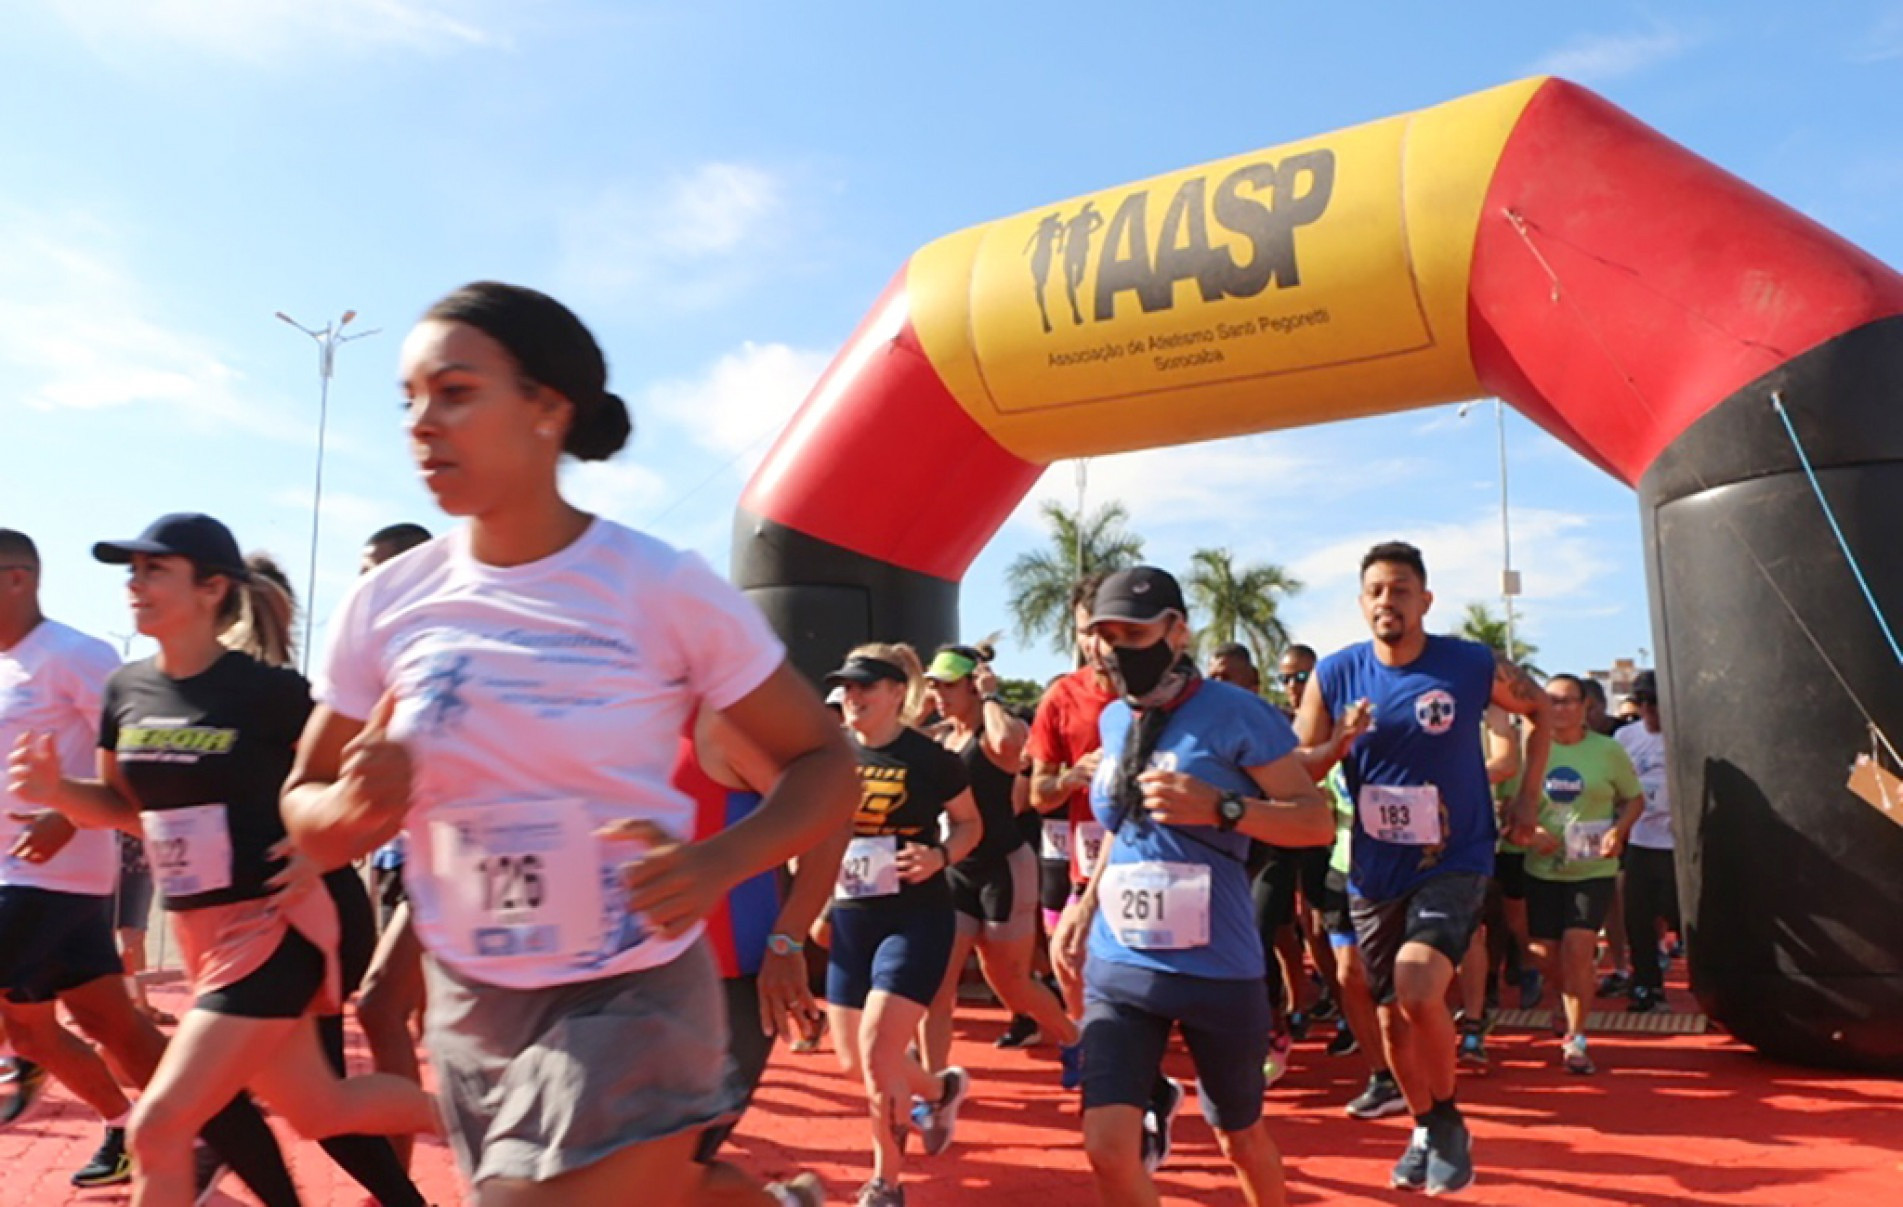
(511, 882)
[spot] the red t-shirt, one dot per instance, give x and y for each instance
(1065, 730)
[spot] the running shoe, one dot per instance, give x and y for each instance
(208, 1169)
(1614, 984)
(110, 1166)
(1071, 1058)
(9, 1070)
(28, 1081)
(1410, 1172)
(1381, 1098)
(800, 1190)
(1645, 1001)
(937, 1122)
(1450, 1160)
(1298, 1024)
(1344, 1043)
(1532, 988)
(1574, 1057)
(1277, 1062)
(1472, 1045)
(1022, 1033)
(1159, 1121)
(1324, 1009)
(880, 1193)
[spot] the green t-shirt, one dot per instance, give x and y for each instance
(1585, 782)
(1337, 789)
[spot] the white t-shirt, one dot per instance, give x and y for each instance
(1647, 751)
(540, 702)
(51, 682)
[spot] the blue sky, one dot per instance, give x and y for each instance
(721, 190)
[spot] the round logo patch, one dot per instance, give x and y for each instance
(1564, 785)
(1435, 711)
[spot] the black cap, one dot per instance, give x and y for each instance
(208, 543)
(863, 670)
(1138, 595)
(1645, 686)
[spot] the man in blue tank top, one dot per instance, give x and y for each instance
(1399, 713)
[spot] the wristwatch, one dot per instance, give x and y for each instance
(1230, 810)
(784, 945)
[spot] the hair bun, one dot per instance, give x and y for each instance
(601, 430)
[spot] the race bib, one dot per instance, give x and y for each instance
(870, 868)
(1089, 845)
(189, 849)
(1155, 906)
(1406, 815)
(518, 879)
(1055, 845)
(1583, 839)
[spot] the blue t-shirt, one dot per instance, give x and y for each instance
(1213, 735)
(1427, 718)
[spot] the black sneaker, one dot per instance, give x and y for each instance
(1022, 1033)
(1381, 1098)
(1450, 1161)
(110, 1166)
(1410, 1172)
(1344, 1043)
(1471, 1048)
(1614, 984)
(208, 1169)
(1298, 1025)
(1157, 1122)
(1645, 1001)
(880, 1193)
(28, 1080)
(1324, 1009)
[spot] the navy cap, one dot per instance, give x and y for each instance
(1138, 595)
(208, 543)
(862, 670)
(1645, 686)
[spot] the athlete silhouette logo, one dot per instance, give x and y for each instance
(1042, 247)
(1434, 710)
(440, 691)
(1077, 236)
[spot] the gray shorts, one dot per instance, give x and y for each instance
(1442, 912)
(537, 1083)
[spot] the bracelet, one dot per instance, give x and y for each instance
(784, 944)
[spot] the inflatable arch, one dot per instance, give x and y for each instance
(1531, 242)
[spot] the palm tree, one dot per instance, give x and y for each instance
(1040, 581)
(1479, 623)
(1240, 603)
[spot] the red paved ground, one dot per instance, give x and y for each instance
(1667, 1121)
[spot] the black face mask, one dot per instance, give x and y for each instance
(1139, 669)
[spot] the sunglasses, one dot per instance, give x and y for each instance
(1288, 677)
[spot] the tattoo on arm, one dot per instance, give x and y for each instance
(1520, 686)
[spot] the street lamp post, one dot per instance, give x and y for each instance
(1509, 577)
(328, 341)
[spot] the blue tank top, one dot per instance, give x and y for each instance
(1427, 718)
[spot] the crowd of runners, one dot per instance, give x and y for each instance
(555, 789)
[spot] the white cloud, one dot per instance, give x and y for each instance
(1596, 58)
(78, 331)
(688, 243)
(743, 400)
(265, 30)
(1560, 559)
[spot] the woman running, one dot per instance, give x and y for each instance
(892, 920)
(511, 697)
(194, 745)
(993, 889)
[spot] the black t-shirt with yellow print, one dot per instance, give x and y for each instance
(903, 789)
(222, 737)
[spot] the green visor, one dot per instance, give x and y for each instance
(950, 666)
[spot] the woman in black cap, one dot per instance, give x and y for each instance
(195, 743)
(893, 924)
(510, 696)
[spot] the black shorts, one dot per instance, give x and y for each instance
(1128, 1015)
(281, 987)
(748, 1048)
(1509, 871)
(984, 893)
(1336, 919)
(903, 950)
(1442, 912)
(1031, 828)
(1053, 884)
(132, 903)
(356, 926)
(53, 943)
(1284, 870)
(1554, 907)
